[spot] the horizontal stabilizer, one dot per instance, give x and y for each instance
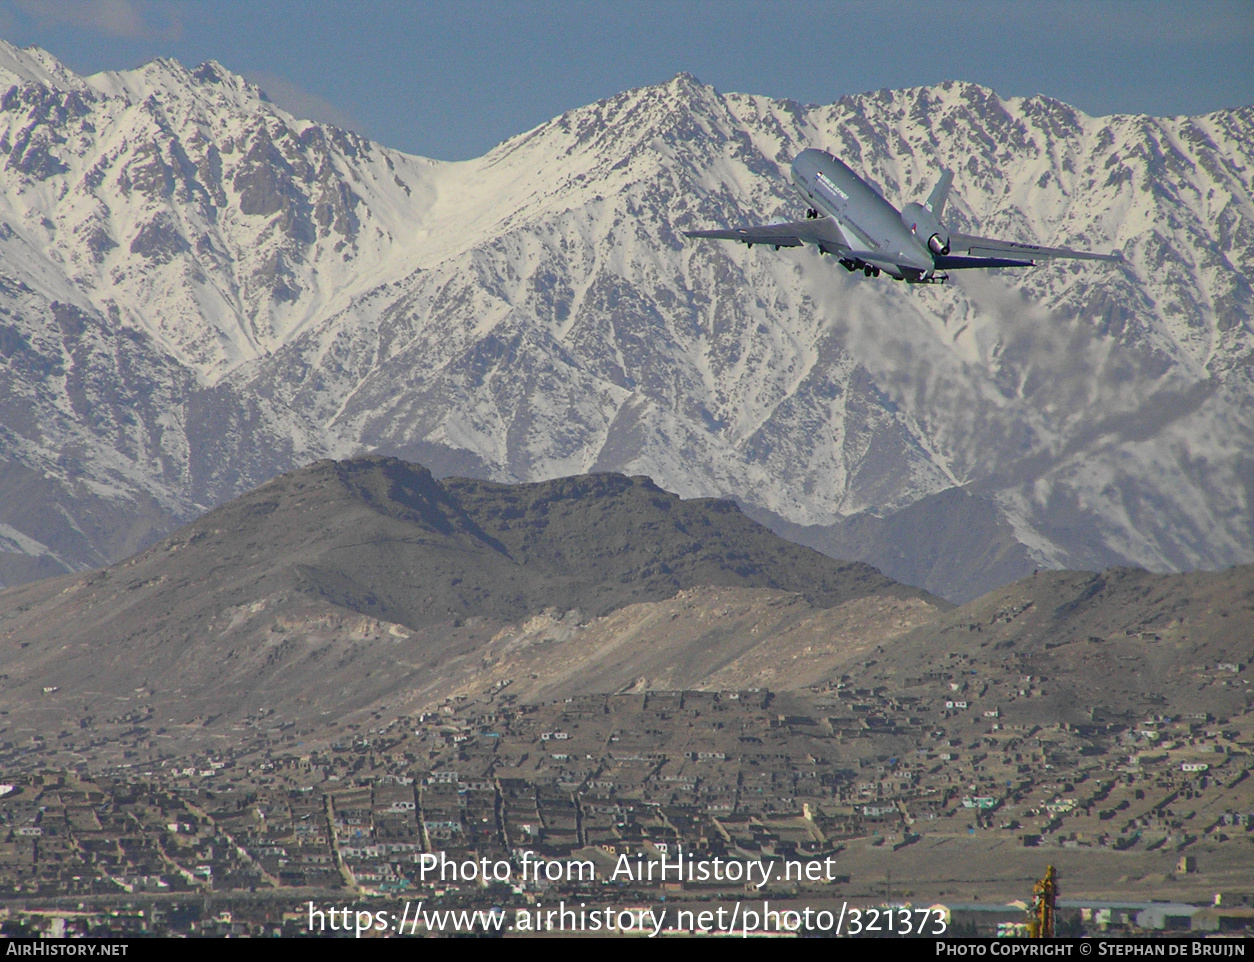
(951, 263)
(991, 247)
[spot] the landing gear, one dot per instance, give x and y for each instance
(812, 214)
(927, 279)
(851, 265)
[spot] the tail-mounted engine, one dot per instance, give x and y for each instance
(926, 227)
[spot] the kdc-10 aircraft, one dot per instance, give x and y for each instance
(848, 217)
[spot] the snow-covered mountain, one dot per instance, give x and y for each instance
(198, 291)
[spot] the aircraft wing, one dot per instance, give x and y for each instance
(819, 230)
(990, 247)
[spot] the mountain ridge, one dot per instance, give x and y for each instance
(372, 577)
(221, 292)
(346, 589)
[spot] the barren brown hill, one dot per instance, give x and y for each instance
(1073, 647)
(353, 588)
(1078, 647)
(331, 588)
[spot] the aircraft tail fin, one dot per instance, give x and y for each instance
(936, 200)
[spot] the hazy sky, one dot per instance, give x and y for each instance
(452, 79)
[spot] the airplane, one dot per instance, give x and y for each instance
(847, 217)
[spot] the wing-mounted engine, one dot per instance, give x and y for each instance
(924, 220)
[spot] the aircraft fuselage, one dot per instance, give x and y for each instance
(867, 221)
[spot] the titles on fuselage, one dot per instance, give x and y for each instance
(827, 182)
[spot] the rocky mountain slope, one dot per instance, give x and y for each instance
(354, 589)
(338, 585)
(1111, 647)
(198, 291)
